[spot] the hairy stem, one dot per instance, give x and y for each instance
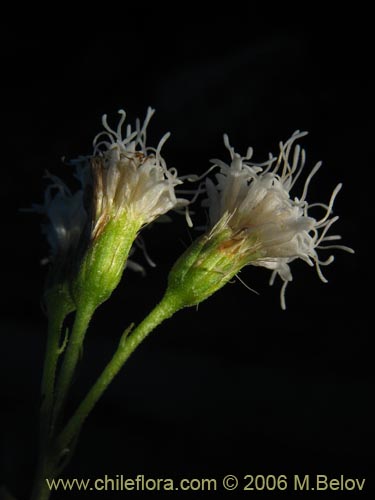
(83, 316)
(56, 315)
(165, 309)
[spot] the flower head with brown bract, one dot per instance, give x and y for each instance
(267, 227)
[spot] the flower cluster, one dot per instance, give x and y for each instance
(253, 219)
(124, 185)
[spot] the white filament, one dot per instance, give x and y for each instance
(134, 177)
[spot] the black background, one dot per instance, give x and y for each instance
(237, 386)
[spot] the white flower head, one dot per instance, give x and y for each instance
(66, 218)
(254, 202)
(129, 177)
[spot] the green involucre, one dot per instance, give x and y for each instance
(103, 264)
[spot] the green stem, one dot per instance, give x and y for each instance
(165, 309)
(56, 315)
(55, 323)
(40, 489)
(82, 319)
